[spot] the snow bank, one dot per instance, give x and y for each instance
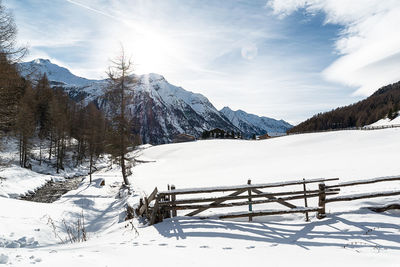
(17, 181)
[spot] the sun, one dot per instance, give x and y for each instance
(151, 49)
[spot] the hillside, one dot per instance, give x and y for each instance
(377, 106)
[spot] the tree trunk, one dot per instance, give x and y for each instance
(51, 145)
(20, 151)
(25, 153)
(63, 147)
(123, 168)
(58, 155)
(40, 152)
(90, 166)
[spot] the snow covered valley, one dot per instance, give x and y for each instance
(35, 233)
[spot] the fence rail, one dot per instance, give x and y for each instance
(160, 205)
(366, 181)
(364, 128)
(244, 187)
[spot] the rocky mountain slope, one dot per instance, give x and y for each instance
(250, 124)
(161, 109)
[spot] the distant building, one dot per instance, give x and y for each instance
(221, 134)
(264, 136)
(180, 138)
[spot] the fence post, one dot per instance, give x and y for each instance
(173, 198)
(167, 213)
(305, 198)
(321, 201)
(155, 216)
(250, 205)
(146, 205)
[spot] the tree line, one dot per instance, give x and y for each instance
(221, 134)
(47, 119)
(385, 102)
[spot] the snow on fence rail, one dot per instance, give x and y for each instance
(161, 205)
(323, 201)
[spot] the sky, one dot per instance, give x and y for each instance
(286, 59)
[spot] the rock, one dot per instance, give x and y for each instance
(3, 258)
(22, 240)
(13, 244)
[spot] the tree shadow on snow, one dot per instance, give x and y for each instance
(333, 231)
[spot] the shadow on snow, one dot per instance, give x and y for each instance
(360, 234)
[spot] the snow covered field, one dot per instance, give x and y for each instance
(350, 234)
(348, 155)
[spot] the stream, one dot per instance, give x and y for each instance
(52, 191)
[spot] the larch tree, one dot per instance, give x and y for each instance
(25, 124)
(11, 84)
(60, 110)
(118, 97)
(43, 96)
(8, 36)
(11, 91)
(94, 134)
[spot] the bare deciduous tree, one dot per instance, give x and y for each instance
(11, 83)
(8, 36)
(25, 124)
(119, 96)
(95, 134)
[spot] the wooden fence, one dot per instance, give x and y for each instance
(164, 204)
(364, 128)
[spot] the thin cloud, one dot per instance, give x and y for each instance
(92, 9)
(368, 45)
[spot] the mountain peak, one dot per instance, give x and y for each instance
(40, 61)
(53, 71)
(151, 77)
(226, 108)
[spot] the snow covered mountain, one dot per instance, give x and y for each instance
(53, 72)
(250, 124)
(161, 109)
(77, 87)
